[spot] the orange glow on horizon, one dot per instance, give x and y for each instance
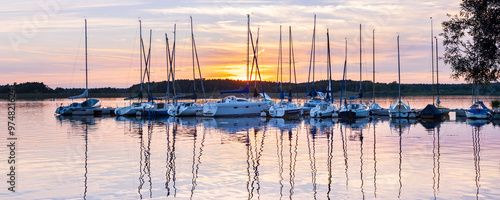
(56, 54)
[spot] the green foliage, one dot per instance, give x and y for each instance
(495, 104)
(215, 86)
(28, 87)
(472, 41)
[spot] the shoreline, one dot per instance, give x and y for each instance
(367, 96)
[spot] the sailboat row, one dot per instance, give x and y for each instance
(319, 104)
(233, 105)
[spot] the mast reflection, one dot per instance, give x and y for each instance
(356, 127)
(311, 145)
(255, 147)
(329, 160)
(400, 124)
(344, 149)
(135, 129)
(361, 160)
(170, 159)
(432, 126)
(374, 159)
(81, 125)
(476, 145)
(293, 159)
(145, 159)
(279, 154)
(400, 162)
(196, 159)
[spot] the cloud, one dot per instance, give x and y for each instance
(56, 42)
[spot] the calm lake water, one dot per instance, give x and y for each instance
(249, 157)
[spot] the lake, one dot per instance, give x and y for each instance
(112, 157)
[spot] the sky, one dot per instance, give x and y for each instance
(43, 40)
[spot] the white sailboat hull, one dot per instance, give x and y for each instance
(309, 105)
(136, 108)
(320, 114)
(399, 110)
(125, 111)
(472, 115)
(87, 107)
(478, 111)
(396, 114)
(354, 111)
(284, 109)
(282, 112)
(375, 109)
(323, 110)
(161, 109)
(236, 106)
(185, 109)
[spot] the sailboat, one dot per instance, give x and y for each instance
(399, 109)
(356, 110)
(431, 111)
(88, 106)
(316, 97)
(140, 107)
(376, 109)
(326, 108)
(285, 108)
(478, 110)
(190, 108)
(232, 105)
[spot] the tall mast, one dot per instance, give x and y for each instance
(86, 71)
(195, 55)
(345, 63)
(192, 53)
(293, 62)
(329, 66)
(279, 71)
(167, 57)
(373, 65)
(399, 74)
(432, 61)
(314, 50)
(290, 59)
(140, 51)
(248, 48)
(148, 65)
(437, 73)
(360, 70)
(311, 59)
(172, 65)
(280, 65)
(343, 74)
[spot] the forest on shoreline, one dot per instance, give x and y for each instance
(38, 90)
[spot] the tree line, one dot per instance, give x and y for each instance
(213, 88)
